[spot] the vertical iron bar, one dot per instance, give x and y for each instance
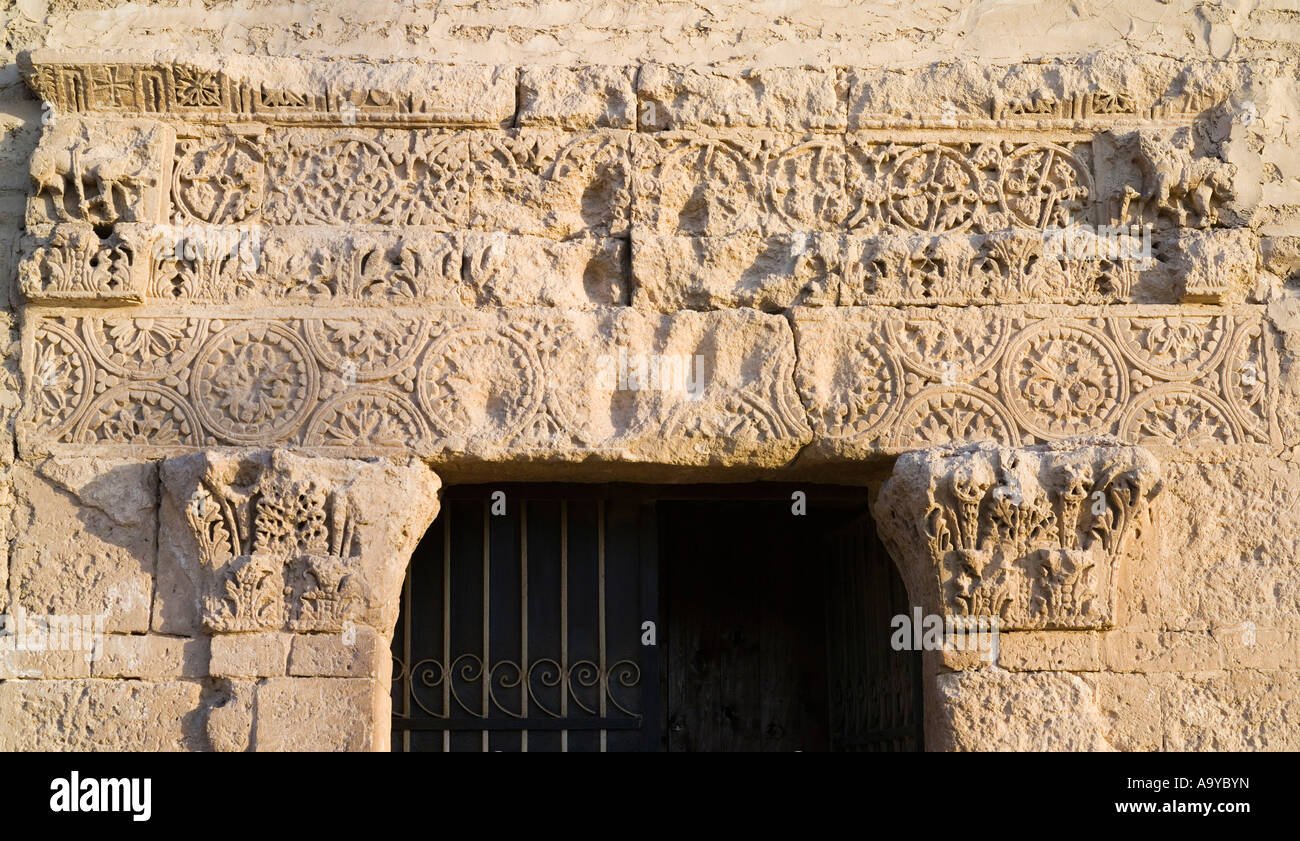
(648, 573)
(487, 607)
(600, 601)
(446, 628)
(564, 620)
(407, 688)
(524, 683)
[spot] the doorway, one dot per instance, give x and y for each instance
(679, 618)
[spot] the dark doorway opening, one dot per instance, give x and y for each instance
(681, 618)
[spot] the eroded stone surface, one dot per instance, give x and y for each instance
(991, 709)
(100, 715)
(87, 542)
(321, 714)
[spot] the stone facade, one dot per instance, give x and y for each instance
(267, 296)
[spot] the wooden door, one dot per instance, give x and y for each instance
(875, 691)
(745, 608)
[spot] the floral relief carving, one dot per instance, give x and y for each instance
(254, 382)
(442, 281)
(75, 265)
(144, 414)
(978, 187)
(276, 541)
(62, 378)
(1024, 376)
(219, 180)
(867, 379)
(461, 382)
(1064, 380)
(274, 551)
(925, 222)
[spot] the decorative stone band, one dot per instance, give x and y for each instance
(230, 88)
(1032, 537)
(762, 218)
(878, 379)
(709, 389)
(280, 541)
(71, 264)
(247, 264)
(561, 183)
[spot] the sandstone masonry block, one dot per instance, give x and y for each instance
(86, 546)
(1133, 710)
(321, 714)
(1233, 711)
(784, 98)
(100, 715)
(506, 271)
(356, 652)
(1042, 651)
(577, 97)
(229, 726)
(1166, 651)
(151, 656)
(264, 654)
(992, 709)
(44, 664)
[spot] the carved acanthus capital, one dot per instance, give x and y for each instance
(1033, 537)
(280, 541)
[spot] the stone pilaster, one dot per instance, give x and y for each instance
(292, 553)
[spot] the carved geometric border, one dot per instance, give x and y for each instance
(890, 380)
(478, 383)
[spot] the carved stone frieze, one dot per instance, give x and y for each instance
(1159, 176)
(235, 88)
(830, 269)
(880, 379)
(1032, 537)
(302, 265)
(231, 89)
(74, 265)
(549, 384)
(916, 218)
(100, 172)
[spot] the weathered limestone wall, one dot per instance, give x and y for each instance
(856, 253)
